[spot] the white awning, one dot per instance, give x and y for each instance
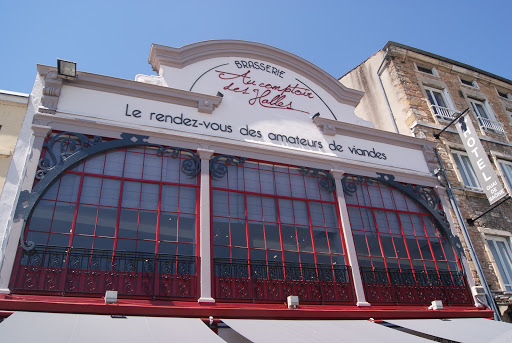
(82, 328)
(307, 331)
(467, 330)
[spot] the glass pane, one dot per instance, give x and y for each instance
(90, 190)
(110, 190)
(128, 223)
(152, 167)
(304, 239)
(187, 228)
(86, 220)
(133, 165)
(289, 237)
(68, 189)
(131, 194)
(147, 225)
(238, 236)
(272, 236)
(114, 163)
(149, 196)
(42, 215)
(169, 226)
(187, 199)
(63, 217)
(106, 224)
(256, 237)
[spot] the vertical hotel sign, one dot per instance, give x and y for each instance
(479, 160)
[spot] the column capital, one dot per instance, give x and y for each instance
(41, 130)
(204, 154)
(337, 174)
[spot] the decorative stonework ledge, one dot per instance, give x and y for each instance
(51, 92)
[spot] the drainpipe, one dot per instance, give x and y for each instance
(471, 249)
(379, 72)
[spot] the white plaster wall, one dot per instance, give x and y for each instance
(373, 105)
(16, 172)
(112, 109)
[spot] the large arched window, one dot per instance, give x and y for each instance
(403, 256)
(125, 210)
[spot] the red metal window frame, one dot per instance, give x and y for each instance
(80, 172)
(328, 198)
(364, 201)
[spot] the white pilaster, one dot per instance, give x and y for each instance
(204, 229)
(11, 246)
(349, 239)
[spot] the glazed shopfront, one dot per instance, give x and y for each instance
(237, 177)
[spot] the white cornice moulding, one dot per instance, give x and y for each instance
(181, 57)
(203, 102)
(332, 127)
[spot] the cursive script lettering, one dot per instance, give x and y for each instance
(267, 95)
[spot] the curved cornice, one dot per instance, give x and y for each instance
(181, 57)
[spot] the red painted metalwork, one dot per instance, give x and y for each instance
(415, 264)
(88, 206)
(262, 215)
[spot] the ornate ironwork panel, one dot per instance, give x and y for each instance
(262, 281)
(219, 164)
(326, 182)
(414, 287)
(77, 271)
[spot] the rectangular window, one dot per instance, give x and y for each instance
(485, 116)
(504, 95)
(506, 168)
(500, 249)
(466, 171)
(438, 104)
(470, 83)
(426, 70)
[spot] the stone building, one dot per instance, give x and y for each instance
(13, 107)
(422, 92)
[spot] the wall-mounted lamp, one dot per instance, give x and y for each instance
(66, 69)
(315, 115)
(110, 297)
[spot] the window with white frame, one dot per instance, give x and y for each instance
(506, 168)
(426, 69)
(504, 95)
(485, 116)
(502, 255)
(466, 171)
(439, 104)
(468, 82)
(509, 113)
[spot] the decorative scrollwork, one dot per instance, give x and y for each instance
(326, 182)
(219, 170)
(69, 143)
(274, 281)
(350, 187)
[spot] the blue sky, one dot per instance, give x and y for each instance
(114, 37)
